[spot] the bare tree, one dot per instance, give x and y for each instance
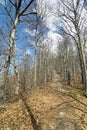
(21, 8)
(39, 29)
(73, 15)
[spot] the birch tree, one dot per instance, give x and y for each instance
(21, 9)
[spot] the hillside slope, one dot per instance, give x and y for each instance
(55, 106)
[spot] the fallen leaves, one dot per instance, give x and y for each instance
(49, 107)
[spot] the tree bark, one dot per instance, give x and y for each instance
(35, 67)
(8, 56)
(16, 87)
(82, 63)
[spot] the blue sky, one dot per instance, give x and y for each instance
(2, 2)
(5, 25)
(24, 34)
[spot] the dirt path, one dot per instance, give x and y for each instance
(55, 110)
(52, 108)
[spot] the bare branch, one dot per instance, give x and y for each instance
(14, 4)
(26, 8)
(29, 13)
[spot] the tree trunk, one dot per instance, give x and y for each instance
(83, 68)
(35, 67)
(82, 58)
(9, 55)
(45, 72)
(16, 91)
(82, 65)
(40, 67)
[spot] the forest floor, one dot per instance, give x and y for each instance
(56, 106)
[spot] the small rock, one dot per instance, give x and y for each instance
(61, 114)
(51, 126)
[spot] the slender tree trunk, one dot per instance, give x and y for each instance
(82, 65)
(16, 71)
(40, 66)
(9, 55)
(82, 58)
(35, 67)
(83, 68)
(45, 72)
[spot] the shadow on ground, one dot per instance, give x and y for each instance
(67, 124)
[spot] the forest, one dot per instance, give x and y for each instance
(43, 65)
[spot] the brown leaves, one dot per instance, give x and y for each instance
(48, 106)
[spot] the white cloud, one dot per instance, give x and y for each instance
(50, 4)
(51, 1)
(54, 39)
(2, 2)
(27, 31)
(27, 52)
(50, 23)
